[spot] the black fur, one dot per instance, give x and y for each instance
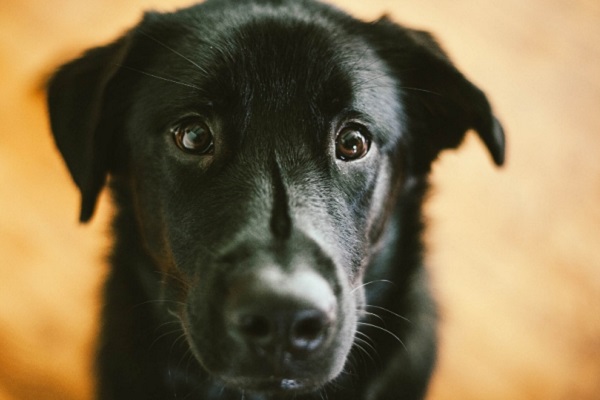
(269, 267)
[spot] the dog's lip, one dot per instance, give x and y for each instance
(281, 383)
(275, 384)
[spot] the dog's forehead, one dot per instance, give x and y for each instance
(285, 69)
(278, 56)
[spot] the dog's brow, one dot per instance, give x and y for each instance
(158, 77)
(195, 64)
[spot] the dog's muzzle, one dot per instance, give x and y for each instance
(280, 316)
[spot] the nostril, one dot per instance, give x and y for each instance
(300, 332)
(308, 330)
(254, 326)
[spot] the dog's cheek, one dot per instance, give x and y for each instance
(362, 189)
(347, 330)
(152, 187)
(148, 210)
(382, 199)
(205, 326)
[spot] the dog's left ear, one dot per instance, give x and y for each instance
(83, 122)
(441, 104)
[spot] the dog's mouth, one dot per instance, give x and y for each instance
(288, 373)
(274, 385)
(271, 374)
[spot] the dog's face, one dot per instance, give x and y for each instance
(264, 150)
(263, 187)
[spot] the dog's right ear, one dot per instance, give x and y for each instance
(441, 103)
(83, 122)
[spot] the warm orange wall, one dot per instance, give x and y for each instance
(514, 252)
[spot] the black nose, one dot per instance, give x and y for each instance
(273, 312)
(293, 330)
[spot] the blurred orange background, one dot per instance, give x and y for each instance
(514, 253)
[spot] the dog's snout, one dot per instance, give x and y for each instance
(273, 312)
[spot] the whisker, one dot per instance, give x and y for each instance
(362, 83)
(176, 278)
(173, 51)
(421, 90)
(388, 311)
(169, 333)
(187, 352)
(164, 324)
(371, 282)
(386, 331)
(363, 351)
(162, 78)
(360, 342)
(367, 341)
(195, 384)
(373, 315)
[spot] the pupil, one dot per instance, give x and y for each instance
(351, 142)
(194, 138)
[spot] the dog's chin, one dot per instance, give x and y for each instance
(274, 385)
(284, 379)
(258, 377)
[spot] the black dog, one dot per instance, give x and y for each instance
(269, 160)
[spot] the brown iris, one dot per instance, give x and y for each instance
(194, 137)
(351, 144)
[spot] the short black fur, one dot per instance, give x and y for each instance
(268, 268)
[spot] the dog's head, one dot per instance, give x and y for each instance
(262, 148)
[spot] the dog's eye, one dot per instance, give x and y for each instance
(194, 137)
(351, 143)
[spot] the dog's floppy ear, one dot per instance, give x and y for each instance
(441, 104)
(83, 122)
